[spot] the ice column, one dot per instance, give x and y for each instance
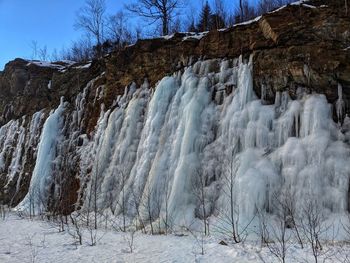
(340, 104)
(37, 196)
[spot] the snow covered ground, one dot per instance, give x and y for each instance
(24, 240)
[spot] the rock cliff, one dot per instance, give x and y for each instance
(298, 47)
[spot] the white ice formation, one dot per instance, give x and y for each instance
(155, 151)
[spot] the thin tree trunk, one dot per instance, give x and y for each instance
(241, 9)
(165, 24)
(346, 7)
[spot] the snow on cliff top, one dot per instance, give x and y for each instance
(200, 35)
(61, 65)
(55, 65)
(45, 64)
(301, 2)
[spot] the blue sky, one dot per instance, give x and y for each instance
(49, 22)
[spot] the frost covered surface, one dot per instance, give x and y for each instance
(31, 240)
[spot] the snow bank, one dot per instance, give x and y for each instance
(39, 241)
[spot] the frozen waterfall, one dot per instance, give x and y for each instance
(155, 151)
(37, 196)
(196, 143)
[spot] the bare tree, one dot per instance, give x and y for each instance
(54, 55)
(43, 54)
(92, 196)
(33, 248)
(90, 19)
(38, 52)
(346, 227)
(118, 29)
(81, 50)
(189, 22)
(231, 216)
(130, 238)
(244, 11)
(276, 235)
(265, 6)
(118, 204)
(155, 10)
(4, 210)
(94, 187)
(35, 47)
(166, 219)
(93, 235)
(176, 26)
(76, 232)
(123, 201)
(346, 7)
(344, 256)
(138, 33)
(198, 236)
(198, 188)
(284, 204)
(262, 231)
(313, 227)
(219, 8)
(136, 196)
(241, 10)
(219, 18)
(147, 201)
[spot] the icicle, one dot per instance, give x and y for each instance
(32, 140)
(277, 99)
(340, 104)
(316, 116)
(245, 83)
(15, 165)
(263, 93)
(36, 198)
(7, 139)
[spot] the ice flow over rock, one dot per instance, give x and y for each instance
(158, 149)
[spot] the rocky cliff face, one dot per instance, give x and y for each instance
(299, 49)
(292, 46)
